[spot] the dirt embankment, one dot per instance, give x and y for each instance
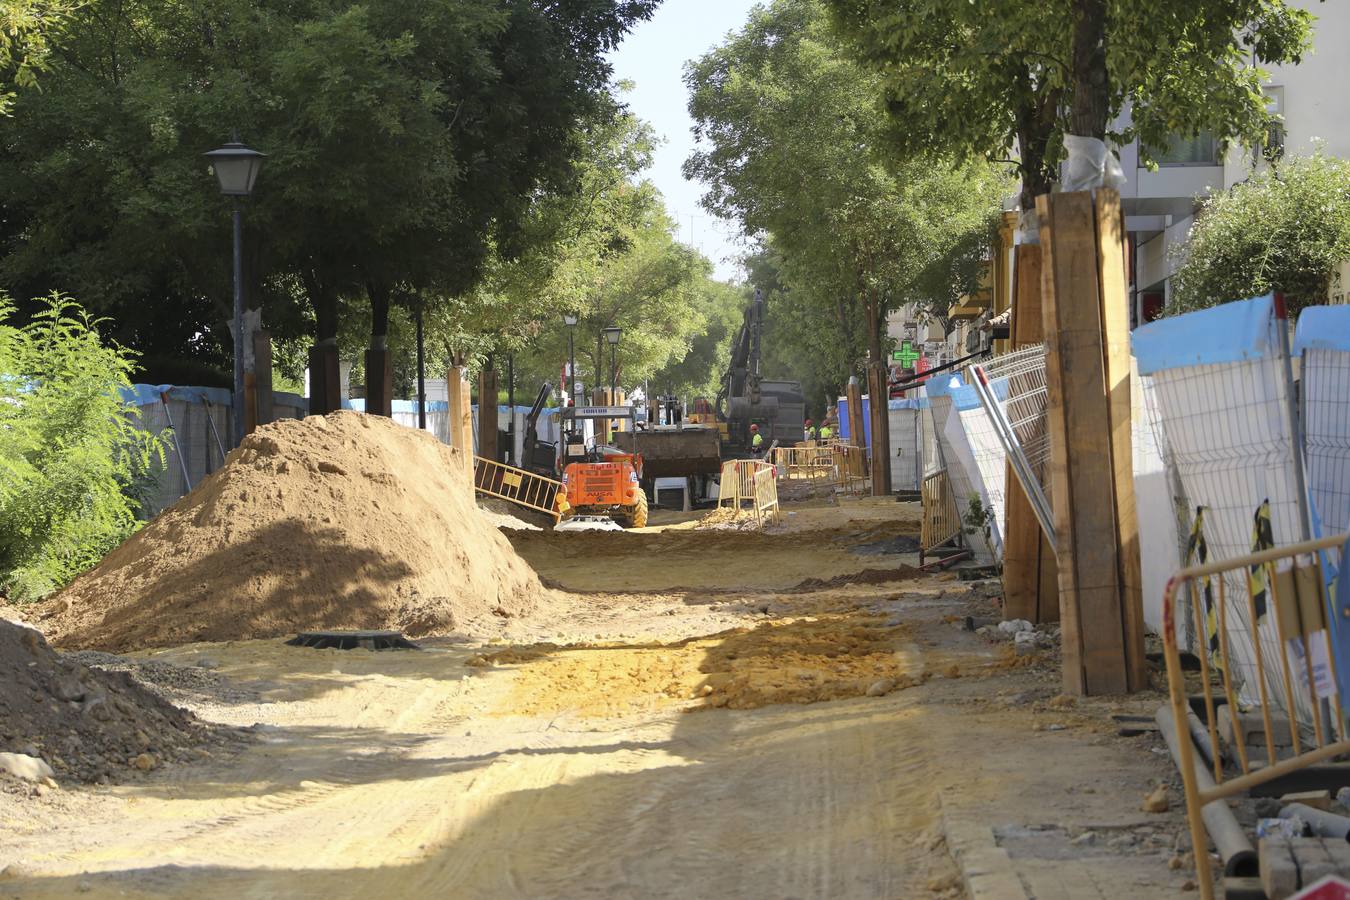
(710, 560)
(343, 521)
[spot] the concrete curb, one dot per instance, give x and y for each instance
(986, 869)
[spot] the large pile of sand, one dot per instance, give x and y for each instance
(344, 521)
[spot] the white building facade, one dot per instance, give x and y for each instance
(1160, 205)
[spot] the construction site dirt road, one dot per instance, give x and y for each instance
(741, 716)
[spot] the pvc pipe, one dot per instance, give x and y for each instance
(1200, 735)
(1236, 851)
(1323, 824)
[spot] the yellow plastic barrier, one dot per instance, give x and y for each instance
(1278, 638)
(520, 487)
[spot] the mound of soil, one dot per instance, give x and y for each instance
(865, 576)
(86, 724)
(344, 521)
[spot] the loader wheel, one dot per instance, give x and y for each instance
(639, 516)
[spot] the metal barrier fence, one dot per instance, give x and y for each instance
(941, 520)
(764, 490)
(841, 466)
(517, 486)
(1288, 626)
(736, 483)
(807, 462)
(752, 481)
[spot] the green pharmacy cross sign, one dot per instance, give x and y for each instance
(907, 356)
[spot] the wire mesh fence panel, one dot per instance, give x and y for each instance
(1227, 434)
(1153, 463)
(991, 462)
(1012, 389)
(950, 397)
(1326, 432)
(928, 444)
(1017, 382)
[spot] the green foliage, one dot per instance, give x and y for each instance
(1285, 229)
(28, 29)
(70, 452)
(605, 251)
(985, 79)
(407, 143)
(792, 143)
(978, 518)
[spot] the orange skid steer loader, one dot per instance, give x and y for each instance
(612, 487)
(599, 480)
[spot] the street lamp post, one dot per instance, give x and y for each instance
(570, 319)
(236, 168)
(612, 334)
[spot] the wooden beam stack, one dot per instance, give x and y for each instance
(1030, 580)
(1091, 466)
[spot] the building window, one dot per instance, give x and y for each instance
(1272, 148)
(1199, 150)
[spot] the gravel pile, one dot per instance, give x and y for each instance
(85, 723)
(180, 685)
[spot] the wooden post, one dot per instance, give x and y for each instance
(250, 403)
(487, 412)
(1030, 581)
(461, 415)
(379, 382)
(600, 397)
(1115, 313)
(325, 379)
(1094, 598)
(878, 391)
(262, 370)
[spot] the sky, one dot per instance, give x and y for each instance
(652, 56)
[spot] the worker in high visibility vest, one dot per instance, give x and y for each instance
(756, 440)
(811, 432)
(826, 432)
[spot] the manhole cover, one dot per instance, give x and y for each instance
(350, 640)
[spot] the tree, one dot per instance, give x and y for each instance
(603, 249)
(407, 142)
(70, 453)
(986, 80)
(1286, 229)
(847, 223)
(29, 30)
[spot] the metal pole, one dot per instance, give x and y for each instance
(177, 446)
(511, 406)
(571, 365)
(1295, 421)
(421, 374)
(613, 374)
(238, 324)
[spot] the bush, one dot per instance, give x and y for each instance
(1285, 229)
(70, 451)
